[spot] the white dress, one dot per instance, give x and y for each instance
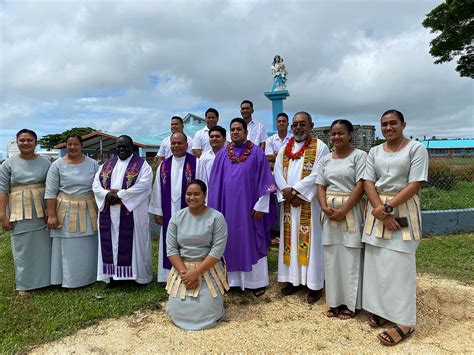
(343, 249)
(389, 281)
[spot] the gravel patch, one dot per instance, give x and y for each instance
(286, 324)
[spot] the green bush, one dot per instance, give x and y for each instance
(441, 175)
(465, 173)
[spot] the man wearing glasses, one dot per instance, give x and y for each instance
(300, 256)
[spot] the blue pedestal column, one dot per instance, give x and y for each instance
(276, 97)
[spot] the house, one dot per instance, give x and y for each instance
(450, 148)
(100, 145)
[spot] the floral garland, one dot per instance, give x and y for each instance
(243, 157)
(299, 153)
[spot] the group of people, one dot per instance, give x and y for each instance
(216, 203)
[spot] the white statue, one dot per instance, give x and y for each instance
(279, 74)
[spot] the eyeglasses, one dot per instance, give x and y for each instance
(300, 124)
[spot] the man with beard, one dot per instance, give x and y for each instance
(240, 186)
(172, 177)
(300, 256)
(122, 188)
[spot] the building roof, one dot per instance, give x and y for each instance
(448, 143)
(192, 124)
(108, 140)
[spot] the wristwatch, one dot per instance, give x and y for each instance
(387, 208)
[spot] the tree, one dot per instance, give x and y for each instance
(378, 141)
(455, 20)
(50, 140)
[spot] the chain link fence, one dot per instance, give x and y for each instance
(447, 200)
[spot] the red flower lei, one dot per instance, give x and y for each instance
(299, 153)
(243, 157)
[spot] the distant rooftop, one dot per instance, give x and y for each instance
(448, 143)
(192, 124)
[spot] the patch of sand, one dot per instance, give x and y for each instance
(445, 323)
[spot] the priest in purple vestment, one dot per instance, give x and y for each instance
(122, 189)
(240, 186)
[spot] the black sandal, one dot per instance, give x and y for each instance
(332, 312)
(376, 322)
(258, 292)
(386, 339)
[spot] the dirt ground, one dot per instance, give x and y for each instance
(445, 323)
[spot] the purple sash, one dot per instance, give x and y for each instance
(125, 247)
(189, 174)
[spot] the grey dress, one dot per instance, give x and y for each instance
(343, 247)
(389, 281)
(196, 237)
(31, 244)
(74, 254)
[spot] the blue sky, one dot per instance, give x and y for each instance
(128, 66)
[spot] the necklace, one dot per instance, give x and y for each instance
(299, 153)
(395, 155)
(243, 157)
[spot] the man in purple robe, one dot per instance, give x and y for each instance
(122, 189)
(172, 177)
(240, 186)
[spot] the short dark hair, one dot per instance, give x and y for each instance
(201, 183)
(239, 120)
(184, 135)
(395, 112)
(124, 136)
(177, 118)
(308, 116)
(213, 110)
(348, 124)
(74, 135)
(284, 115)
(219, 129)
(27, 131)
(247, 102)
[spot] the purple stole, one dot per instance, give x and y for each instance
(125, 247)
(189, 174)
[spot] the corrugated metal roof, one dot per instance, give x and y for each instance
(448, 143)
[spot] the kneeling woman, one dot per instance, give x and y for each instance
(394, 174)
(195, 242)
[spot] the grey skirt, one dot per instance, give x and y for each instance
(389, 285)
(74, 261)
(343, 274)
(32, 259)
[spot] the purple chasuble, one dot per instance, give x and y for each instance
(234, 188)
(189, 174)
(125, 247)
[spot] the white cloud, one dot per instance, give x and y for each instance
(81, 63)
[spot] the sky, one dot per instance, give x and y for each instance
(128, 66)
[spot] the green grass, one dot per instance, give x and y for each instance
(459, 197)
(451, 257)
(53, 313)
